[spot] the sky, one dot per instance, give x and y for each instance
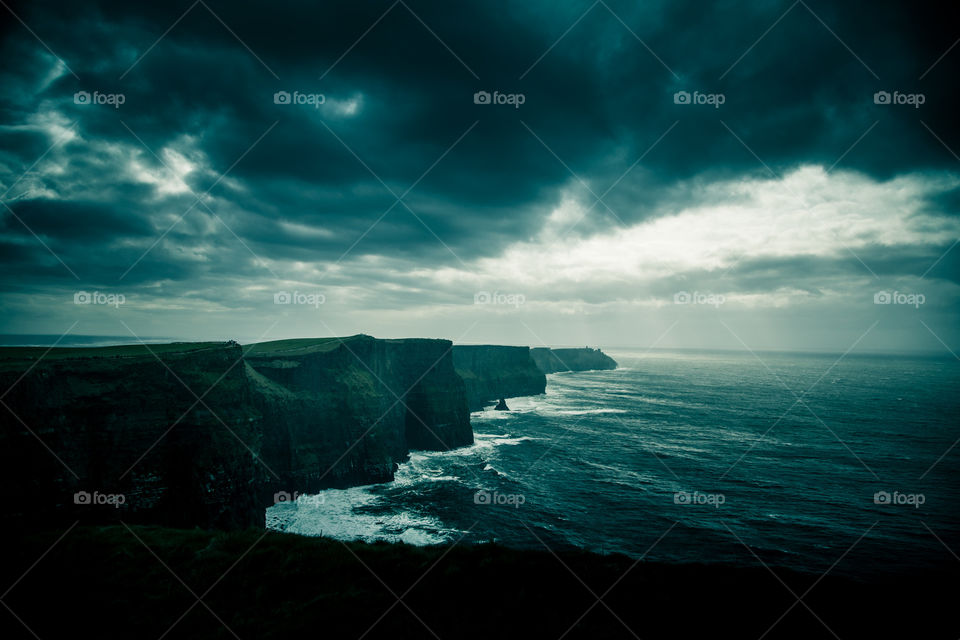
(675, 174)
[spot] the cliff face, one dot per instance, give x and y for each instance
(121, 422)
(295, 415)
(554, 360)
(494, 372)
(340, 412)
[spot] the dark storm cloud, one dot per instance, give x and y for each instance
(595, 102)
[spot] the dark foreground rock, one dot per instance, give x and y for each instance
(556, 360)
(206, 434)
(491, 372)
(107, 583)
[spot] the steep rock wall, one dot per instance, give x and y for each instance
(491, 372)
(341, 412)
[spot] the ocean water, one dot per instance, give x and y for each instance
(790, 460)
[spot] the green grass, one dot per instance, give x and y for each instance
(297, 346)
(119, 351)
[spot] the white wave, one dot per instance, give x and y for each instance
(418, 468)
(484, 416)
(588, 412)
(343, 514)
(487, 440)
(499, 473)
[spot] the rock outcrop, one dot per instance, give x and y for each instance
(491, 372)
(204, 434)
(585, 359)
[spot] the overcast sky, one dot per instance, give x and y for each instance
(670, 174)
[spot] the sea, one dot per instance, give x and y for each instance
(847, 464)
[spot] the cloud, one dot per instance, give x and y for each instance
(400, 193)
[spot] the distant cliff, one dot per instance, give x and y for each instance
(586, 359)
(493, 372)
(205, 437)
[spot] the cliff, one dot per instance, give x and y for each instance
(203, 434)
(340, 412)
(586, 359)
(119, 422)
(494, 372)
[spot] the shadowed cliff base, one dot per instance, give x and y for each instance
(115, 582)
